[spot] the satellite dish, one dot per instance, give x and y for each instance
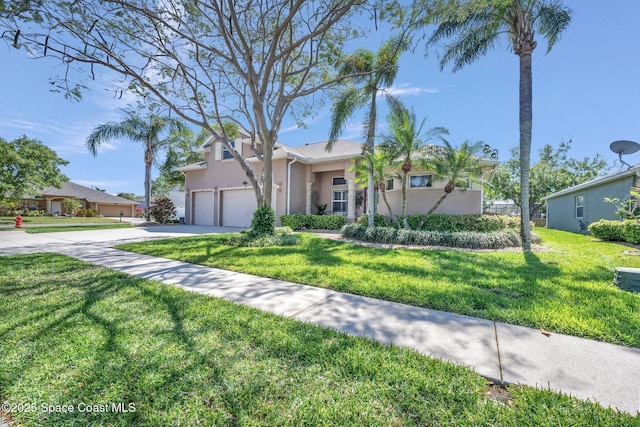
(624, 146)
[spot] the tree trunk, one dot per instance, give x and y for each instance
(440, 200)
(405, 179)
(147, 189)
(371, 131)
(526, 121)
(148, 162)
(386, 202)
(267, 175)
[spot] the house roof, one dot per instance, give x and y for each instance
(69, 189)
(316, 152)
(192, 167)
(633, 170)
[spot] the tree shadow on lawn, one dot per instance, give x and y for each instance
(181, 357)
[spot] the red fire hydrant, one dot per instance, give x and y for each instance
(19, 221)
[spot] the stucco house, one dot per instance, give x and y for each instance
(50, 200)
(219, 193)
(574, 208)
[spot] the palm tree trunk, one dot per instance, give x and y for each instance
(147, 189)
(370, 149)
(440, 200)
(386, 202)
(148, 162)
(405, 179)
(526, 121)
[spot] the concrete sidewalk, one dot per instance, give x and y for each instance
(586, 369)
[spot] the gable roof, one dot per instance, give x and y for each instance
(69, 189)
(631, 171)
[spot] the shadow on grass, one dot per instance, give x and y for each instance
(530, 289)
(183, 358)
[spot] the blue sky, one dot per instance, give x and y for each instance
(587, 89)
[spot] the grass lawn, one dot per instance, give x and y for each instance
(76, 335)
(56, 220)
(79, 227)
(567, 288)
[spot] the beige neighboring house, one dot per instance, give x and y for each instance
(219, 193)
(50, 201)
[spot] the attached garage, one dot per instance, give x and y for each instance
(238, 207)
(203, 208)
(114, 210)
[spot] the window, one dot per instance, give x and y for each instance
(339, 180)
(339, 201)
(226, 155)
(389, 185)
(417, 181)
(579, 206)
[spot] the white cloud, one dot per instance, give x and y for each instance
(289, 129)
(407, 89)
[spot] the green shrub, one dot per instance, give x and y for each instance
(449, 222)
(608, 230)
(281, 237)
(312, 222)
(378, 220)
(263, 222)
(631, 232)
(466, 239)
(35, 213)
(327, 222)
(90, 213)
(469, 222)
(8, 208)
(296, 221)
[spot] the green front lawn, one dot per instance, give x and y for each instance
(56, 220)
(74, 335)
(567, 288)
(79, 227)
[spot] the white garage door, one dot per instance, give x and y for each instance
(238, 207)
(203, 208)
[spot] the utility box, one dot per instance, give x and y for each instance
(627, 279)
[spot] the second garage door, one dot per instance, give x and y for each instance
(238, 207)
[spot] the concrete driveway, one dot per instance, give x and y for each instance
(20, 242)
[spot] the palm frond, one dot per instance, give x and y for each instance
(551, 20)
(348, 102)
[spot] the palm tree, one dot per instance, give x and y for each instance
(405, 142)
(373, 75)
(383, 170)
(136, 129)
(475, 25)
(459, 167)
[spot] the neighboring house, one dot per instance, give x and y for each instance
(574, 208)
(218, 191)
(50, 201)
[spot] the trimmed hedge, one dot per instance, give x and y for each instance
(450, 222)
(89, 213)
(616, 231)
(312, 222)
(464, 239)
